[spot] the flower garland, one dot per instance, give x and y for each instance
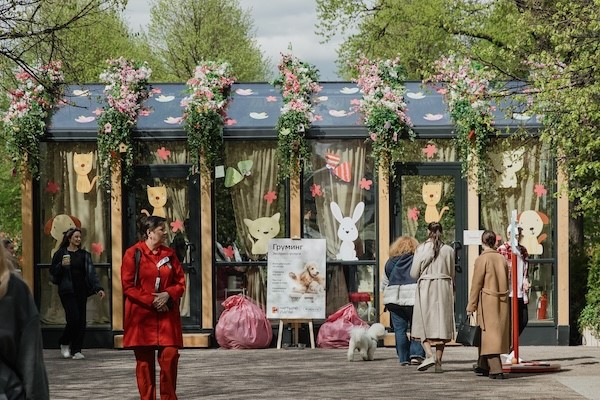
(205, 112)
(467, 91)
(126, 89)
(384, 110)
(25, 120)
(298, 82)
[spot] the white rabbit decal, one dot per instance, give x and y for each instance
(347, 231)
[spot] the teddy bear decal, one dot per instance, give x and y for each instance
(347, 231)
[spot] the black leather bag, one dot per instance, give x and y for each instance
(468, 335)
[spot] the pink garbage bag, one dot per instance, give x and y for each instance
(243, 325)
(335, 332)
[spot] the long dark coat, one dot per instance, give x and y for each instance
(489, 297)
(144, 325)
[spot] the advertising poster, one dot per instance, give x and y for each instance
(296, 279)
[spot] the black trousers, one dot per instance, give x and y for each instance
(75, 313)
(522, 313)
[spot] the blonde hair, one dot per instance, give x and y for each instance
(403, 245)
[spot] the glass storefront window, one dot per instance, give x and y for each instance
(250, 209)
(161, 153)
(70, 196)
(342, 177)
(542, 296)
(521, 180)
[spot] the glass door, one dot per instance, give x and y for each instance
(424, 193)
(168, 191)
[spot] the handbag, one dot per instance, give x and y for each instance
(468, 335)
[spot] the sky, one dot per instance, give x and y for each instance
(278, 23)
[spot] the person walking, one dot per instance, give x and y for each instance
(489, 298)
(523, 284)
(74, 271)
(433, 315)
(153, 283)
(399, 289)
(22, 369)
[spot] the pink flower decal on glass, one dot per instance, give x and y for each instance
(156, 91)
(271, 99)
(413, 213)
(163, 153)
(97, 248)
(98, 111)
(229, 121)
(270, 196)
(315, 190)
(540, 190)
(430, 150)
(317, 117)
(228, 252)
(52, 187)
(176, 225)
(365, 184)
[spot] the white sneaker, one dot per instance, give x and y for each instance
(65, 351)
(78, 356)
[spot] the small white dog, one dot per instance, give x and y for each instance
(364, 340)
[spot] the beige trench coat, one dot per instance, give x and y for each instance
(489, 297)
(433, 314)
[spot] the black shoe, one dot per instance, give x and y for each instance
(497, 376)
(481, 371)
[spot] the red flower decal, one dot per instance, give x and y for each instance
(163, 153)
(540, 190)
(228, 252)
(270, 196)
(430, 150)
(316, 190)
(97, 248)
(52, 187)
(176, 225)
(413, 213)
(365, 183)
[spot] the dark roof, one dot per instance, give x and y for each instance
(255, 108)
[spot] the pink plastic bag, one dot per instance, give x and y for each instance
(335, 332)
(243, 325)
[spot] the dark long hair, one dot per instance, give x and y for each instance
(150, 223)
(67, 237)
(435, 234)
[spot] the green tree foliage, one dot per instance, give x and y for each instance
(10, 199)
(186, 32)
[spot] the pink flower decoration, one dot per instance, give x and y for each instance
(413, 213)
(176, 225)
(365, 184)
(317, 117)
(98, 111)
(97, 248)
(316, 190)
(228, 252)
(430, 150)
(271, 99)
(373, 136)
(229, 121)
(145, 112)
(156, 91)
(52, 187)
(540, 190)
(355, 102)
(163, 153)
(270, 196)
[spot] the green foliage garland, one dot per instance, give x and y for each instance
(298, 82)
(24, 123)
(205, 105)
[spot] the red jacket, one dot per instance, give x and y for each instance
(144, 325)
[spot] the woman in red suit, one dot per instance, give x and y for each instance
(152, 320)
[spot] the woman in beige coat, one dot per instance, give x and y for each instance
(433, 314)
(489, 297)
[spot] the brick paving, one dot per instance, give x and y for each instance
(326, 374)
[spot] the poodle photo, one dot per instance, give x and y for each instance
(310, 280)
(364, 341)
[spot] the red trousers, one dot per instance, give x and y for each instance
(145, 372)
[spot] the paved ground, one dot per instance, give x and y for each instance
(325, 374)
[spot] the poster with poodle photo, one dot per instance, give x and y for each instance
(296, 279)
